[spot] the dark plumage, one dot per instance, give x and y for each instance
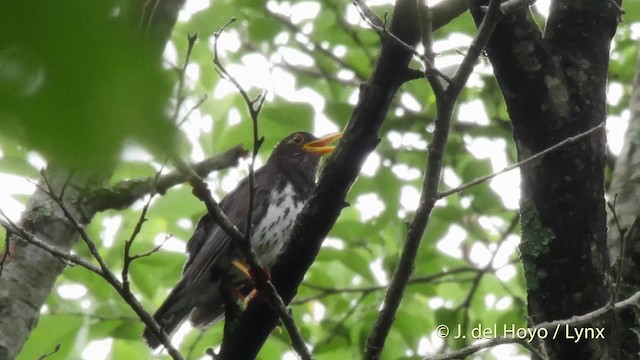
(283, 185)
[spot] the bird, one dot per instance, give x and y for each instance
(214, 266)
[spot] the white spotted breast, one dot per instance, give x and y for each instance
(271, 234)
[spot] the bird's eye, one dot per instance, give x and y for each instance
(297, 139)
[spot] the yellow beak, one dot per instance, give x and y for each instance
(321, 146)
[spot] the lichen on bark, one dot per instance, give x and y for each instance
(536, 240)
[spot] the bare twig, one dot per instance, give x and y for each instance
(445, 105)
(153, 250)
(314, 47)
(550, 326)
(425, 23)
(192, 109)
(262, 282)
(108, 276)
(22, 234)
(481, 272)
(621, 10)
(331, 332)
(222, 71)
(381, 27)
(481, 179)
(620, 262)
(338, 12)
(328, 291)
(472, 349)
(93, 316)
(128, 259)
(125, 193)
(370, 17)
(180, 97)
(55, 350)
(106, 273)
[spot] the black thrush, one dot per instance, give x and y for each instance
(283, 185)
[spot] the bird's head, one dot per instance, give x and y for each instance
(302, 151)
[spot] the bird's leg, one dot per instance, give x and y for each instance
(240, 265)
(235, 294)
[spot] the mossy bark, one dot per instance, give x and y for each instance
(554, 85)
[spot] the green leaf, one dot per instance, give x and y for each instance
(73, 104)
(129, 349)
(52, 330)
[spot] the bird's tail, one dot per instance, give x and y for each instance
(170, 315)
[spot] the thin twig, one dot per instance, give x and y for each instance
(620, 9)
(445, 105)
(180, 97)
(550, 326)
(619, 263)
(331, 332)
(426, 30)
(55, 350)
(315, 46)
(128, 259)
(262, 282)
(381, 27)
(481, 272)
(328, 291)
(125, 193)
(107, 274)
(338, 13)
(79, 227)
(22, 234)
(153, 250)
(192, 109)
(93, 316)
(481, 179)
(222, 71)
(109, 277)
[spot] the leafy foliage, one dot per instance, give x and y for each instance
(64, 68)
(101, 88)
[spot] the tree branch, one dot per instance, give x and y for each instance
(64, 256)
(125, 193)
(481, 179)
(30, 272)
(381, 27)
(551, 326)
(128, 258)
(260, 278)
(106, 273)
(102, 270)
(445, 106)
(342, 167)
(328, 291)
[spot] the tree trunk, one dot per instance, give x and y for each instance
(29, 273)
(555, 87)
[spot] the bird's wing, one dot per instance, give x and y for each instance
(205, 226)
(210, 247)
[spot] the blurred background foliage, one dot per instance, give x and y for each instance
(78, 85)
